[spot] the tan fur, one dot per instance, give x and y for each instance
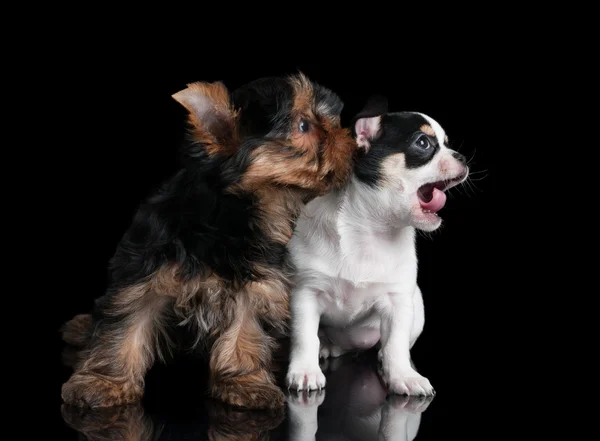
(427, 129)
(241, 348)
(282, 175)
(269, 297)
(303, 96)
(276, 206)
(230, 424)
(392, 168)
(75, 331)
(272, 163)
(112, 371)
(118, 423)
(211, 116)
(240, 362)
(301, 166)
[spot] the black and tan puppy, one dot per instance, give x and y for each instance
(209, 248)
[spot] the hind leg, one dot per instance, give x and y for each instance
(327, 348)
(121, 351)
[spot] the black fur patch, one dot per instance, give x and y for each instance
(192, 222)
(399, 133)
(267, 103)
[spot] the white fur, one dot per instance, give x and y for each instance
(356, 282)
(366, 129)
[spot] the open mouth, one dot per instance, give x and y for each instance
(432, 197)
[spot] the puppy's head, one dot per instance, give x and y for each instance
(277, 131)
(405, 157)
(291, 135)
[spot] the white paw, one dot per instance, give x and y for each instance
(305, 377)
(407, 382)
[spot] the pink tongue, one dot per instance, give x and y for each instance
(436, 203)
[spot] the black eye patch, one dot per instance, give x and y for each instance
(400, 133)
(421, 150)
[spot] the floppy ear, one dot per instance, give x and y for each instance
(211, 116)
(366, 125)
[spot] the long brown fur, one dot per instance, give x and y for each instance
(231, 317)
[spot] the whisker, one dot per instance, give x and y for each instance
(477, 171)
(472, 186)
(480, 178)
(459, 147)
(469, 161)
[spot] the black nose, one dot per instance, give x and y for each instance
(459, 157)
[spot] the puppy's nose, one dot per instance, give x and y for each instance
(459, 157)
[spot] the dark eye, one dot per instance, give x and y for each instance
(423, 142)
(303, 126)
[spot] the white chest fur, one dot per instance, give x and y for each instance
(356, 275)
(354, 265)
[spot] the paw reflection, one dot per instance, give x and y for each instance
(119, 423)
(417, 404)
(229, 423)
(355, 405)
(305, 399)
(214, 421)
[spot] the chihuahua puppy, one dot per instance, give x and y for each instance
(354, 250)
(208, 250)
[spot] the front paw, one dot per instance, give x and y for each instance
(305, 377)
(407, 382)
(85, 390)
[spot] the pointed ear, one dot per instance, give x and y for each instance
(366, 125)
(211, 115)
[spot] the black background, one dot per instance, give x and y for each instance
(116, 130)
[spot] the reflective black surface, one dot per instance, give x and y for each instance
(113, 140)
(354, 406)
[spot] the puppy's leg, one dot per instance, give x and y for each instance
(396, 327)
(327, 347)
(120, 352)
(418, 317)
(304, 371)
(240, 362)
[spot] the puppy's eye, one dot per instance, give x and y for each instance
(423, 142)
(303, 126)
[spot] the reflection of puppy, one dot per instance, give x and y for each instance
(232, 424)
(354, 407)
(208, 249)
(354, 250)
(216, 422)
(119, 423)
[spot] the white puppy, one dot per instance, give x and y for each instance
(354, 250)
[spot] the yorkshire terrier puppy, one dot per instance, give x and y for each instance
(209, 248)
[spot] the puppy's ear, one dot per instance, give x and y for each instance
(366, 125)
(211, 116)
